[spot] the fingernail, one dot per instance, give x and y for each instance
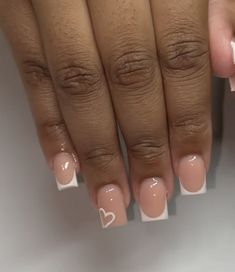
(232, 78)
(111, 206)
(65, 171)
(192, 175)
(233, 50)
(153, 200)
(232, 83)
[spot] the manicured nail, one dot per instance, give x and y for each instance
(65, 171)
(232, 78)
(192, 175)
(153, 200)
(111, 206)
(233, 50)
(232, 83)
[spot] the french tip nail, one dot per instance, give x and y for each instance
(185, 192)
(64, 169)
(72, 184)
(192, 175)
(163, 216)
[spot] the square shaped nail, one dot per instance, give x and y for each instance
(153, 200)
(65, 171)
(71, 184)
(192, 175)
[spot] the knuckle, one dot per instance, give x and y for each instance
(190, 125)
(148, 150)
(78, 79)
(184, 51)
(100, 158)
(132, 69)
(51, 129)
(35, 72)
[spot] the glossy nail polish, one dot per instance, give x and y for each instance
(65, 171)
(153, 200)
(232, 83)
(111, 206)
(233, 50)
(192, 175)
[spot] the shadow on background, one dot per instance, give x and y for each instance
(218, 91)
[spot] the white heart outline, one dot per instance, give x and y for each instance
(106, 214)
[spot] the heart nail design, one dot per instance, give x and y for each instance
(107, 218)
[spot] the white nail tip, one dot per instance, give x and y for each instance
(200, 192)
(163, 216)
(73, 183)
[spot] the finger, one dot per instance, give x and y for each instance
(85, 102)
(221, 27)
(182, 40)
(127, 46)
(19, 25)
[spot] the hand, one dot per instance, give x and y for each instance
(88, 65)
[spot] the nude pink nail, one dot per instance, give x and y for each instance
(233, 50)
(192, 175)
(153, 200)
(65, 171)
(111, 206)
(232, 83)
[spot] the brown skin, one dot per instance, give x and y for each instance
(142, 63)
(182, 38)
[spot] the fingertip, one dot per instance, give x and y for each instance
(221, 36)
(221, 54)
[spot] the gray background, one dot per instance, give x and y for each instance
(42, 229)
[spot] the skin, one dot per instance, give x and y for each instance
(88, 65)
(222, 25)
